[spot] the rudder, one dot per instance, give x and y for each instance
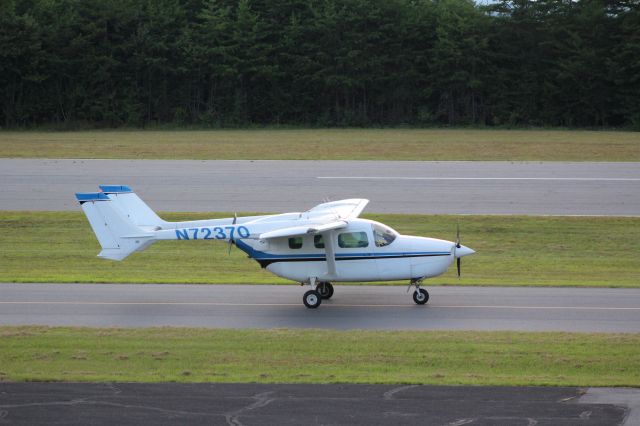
(118, 236)
(132, 206)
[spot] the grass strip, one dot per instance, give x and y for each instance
(29, 353)
(511, 250)
(328, 144)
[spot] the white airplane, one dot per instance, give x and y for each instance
(328, 243)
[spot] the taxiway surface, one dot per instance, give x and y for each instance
(452, 187)
(352, 307)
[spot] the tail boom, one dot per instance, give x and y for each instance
(124, 224)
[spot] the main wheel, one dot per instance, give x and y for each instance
(325, 289)
(311, 299)
(421, 296)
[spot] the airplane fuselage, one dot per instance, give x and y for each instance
(360, 255)
(299, 258)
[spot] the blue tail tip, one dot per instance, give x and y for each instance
(115, 189)
(83, 197)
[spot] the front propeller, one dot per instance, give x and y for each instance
(459, 250)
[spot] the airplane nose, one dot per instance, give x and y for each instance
(463, 251)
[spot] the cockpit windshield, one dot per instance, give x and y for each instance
(383, 235)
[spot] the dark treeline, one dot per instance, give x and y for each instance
(224, 63)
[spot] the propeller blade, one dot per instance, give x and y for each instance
(457, 234)
(231, 242)
(458, 264)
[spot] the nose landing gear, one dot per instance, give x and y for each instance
(420, 295)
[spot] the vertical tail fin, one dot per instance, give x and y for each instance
(132, 206)
(117, 234)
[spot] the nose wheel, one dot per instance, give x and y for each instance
(421, 296)
(325, 289)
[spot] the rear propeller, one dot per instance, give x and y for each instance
(231, 241)
(458, 245)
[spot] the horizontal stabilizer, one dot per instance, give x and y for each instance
(115, 189)
(83, 197)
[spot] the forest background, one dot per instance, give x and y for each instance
(73, 64)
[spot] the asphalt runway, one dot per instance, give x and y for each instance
(531, 188)
(352, 307)
(255, 404)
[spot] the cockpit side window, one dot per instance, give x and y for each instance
(383, 235)
(318, 241)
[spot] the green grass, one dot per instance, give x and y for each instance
(318, 356)
(328, 144)
(511, 250)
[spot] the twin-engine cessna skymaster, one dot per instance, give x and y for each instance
(324, 244)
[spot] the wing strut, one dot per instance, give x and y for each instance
(331, 253)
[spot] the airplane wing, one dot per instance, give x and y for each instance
(344, 209)
(303, 230)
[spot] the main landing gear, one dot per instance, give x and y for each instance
(325, 289)
(313, 298)
(420, 295)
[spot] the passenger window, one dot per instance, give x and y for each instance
(353, 240)
(295, 242)
(318, 241)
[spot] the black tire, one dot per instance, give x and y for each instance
(311, 299)
(421, 296)
(325, 289)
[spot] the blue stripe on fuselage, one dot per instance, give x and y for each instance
(260, 255)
